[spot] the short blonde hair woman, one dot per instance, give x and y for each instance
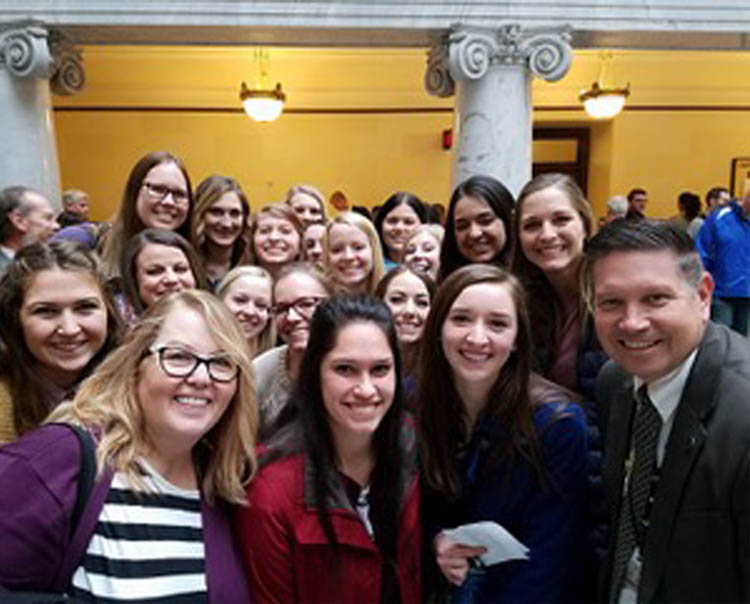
(421, 251)
(275, 237)
(174, 415)
(354, 263)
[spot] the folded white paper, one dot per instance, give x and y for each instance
(501, 545)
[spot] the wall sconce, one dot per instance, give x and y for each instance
(602, 101)
(262, 104)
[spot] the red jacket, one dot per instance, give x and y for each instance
(287, 554)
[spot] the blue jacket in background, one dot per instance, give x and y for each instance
(723, 243)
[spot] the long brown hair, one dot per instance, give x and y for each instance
(207, 193)
(443, 421)
(17, 364)
(545, 314)
(133, 248)
(127, 222)
(499, 199)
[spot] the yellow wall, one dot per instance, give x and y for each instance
(371, 128)
(366, 156)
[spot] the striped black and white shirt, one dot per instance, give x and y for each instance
(146, 547)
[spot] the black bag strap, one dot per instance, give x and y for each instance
(90, 497)
(86, 475)
(84, 488)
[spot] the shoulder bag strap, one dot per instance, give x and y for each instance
(90, 496)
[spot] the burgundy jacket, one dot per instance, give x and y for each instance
(289, 558)
(38, 478)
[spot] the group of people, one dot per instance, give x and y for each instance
(205, 403)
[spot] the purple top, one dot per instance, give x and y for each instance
(38, 478)
(84, 233)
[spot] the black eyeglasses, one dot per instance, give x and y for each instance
(304, 306)
(176, 362)
(160, 192)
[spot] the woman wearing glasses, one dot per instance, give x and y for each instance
(297, 292)
(333, 514)
(172, 417)
(157, 195)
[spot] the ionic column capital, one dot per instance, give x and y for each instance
(68, 76)
(467, 53)
(29, 50)
(24, 51)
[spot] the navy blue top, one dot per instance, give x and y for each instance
(549, 519)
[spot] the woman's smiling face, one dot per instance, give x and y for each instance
(276, 240)
(64, 322)
(408, 299)
(552, 232)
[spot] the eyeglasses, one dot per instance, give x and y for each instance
(160, 192)
(304, 306)
(176, 362)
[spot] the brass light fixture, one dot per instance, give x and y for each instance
(602, 101)
(262, 104)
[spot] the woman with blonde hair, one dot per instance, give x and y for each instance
(353, 255)
(308, 203)
(171, 417)
(421, 251)
(247, 292)
(220, 229)
(275, 237)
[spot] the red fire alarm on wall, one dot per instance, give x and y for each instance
(447, 138)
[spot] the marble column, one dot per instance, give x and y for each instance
(490, 72)
(33, 60)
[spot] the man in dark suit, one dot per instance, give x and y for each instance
(677, 401)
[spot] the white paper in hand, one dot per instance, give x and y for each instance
(500, 544)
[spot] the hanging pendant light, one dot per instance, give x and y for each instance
(262, 104)
(602, 101)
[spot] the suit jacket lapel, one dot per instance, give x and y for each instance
(685, 443)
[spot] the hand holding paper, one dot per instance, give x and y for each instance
(501, 545)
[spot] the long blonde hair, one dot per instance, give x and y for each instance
(266, 339)
(107, 402)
